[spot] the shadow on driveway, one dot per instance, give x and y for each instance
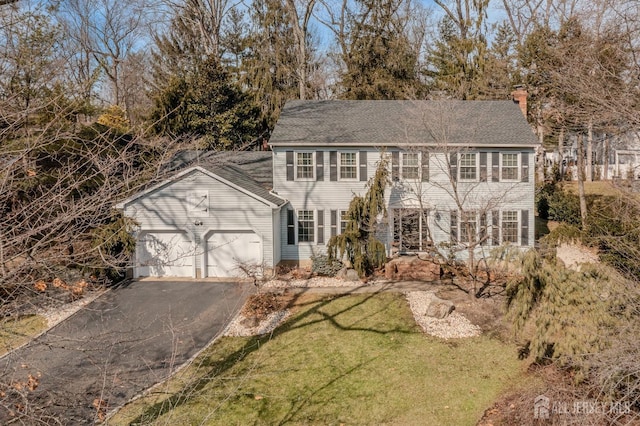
(119, 345)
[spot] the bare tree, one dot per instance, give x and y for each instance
(299, 15)
(106, 32)
(449, 192)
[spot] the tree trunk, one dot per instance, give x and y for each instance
(605, 159)
(561, 152)
(583, 200)
(590, 152)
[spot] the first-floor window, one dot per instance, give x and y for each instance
(468, 227)
(344, 219)
(304, 165)
(510, 226)
(410, 230)
(306, 226)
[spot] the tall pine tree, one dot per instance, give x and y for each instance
(379, 59)
(269, 69)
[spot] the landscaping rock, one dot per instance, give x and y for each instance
(412, 268)
(439, 308)
(351, 275)
(453, 326)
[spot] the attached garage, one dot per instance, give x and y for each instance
(164, 254)
(229, 252)
(206, 221)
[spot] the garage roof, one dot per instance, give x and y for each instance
(250, 171)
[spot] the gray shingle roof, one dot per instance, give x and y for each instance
(250, 170)
(397, 123)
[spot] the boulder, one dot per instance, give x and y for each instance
(412, 268)
(351, 275)
(439, 308)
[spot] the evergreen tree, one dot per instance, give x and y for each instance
(564, 314)
(269, 69)
(501, 68)
(456, 63)
(209, 106)
(358, 243)
(379, 60)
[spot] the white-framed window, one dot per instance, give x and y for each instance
(305, 166)
(344, 219)
(509, 166)
(306, 226)
(410, 166)
(469, 166)
(348, 165)
(510, 226)
(410, 230)
(469, 227)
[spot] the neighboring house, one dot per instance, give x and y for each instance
(462, 174)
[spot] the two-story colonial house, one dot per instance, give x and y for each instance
(461, 178)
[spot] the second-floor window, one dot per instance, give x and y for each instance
(509, 169)
(410, 165)
(348, 166)
(468, 166)
(304, 165)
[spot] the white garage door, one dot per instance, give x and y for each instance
(227, 250)
(164, 254)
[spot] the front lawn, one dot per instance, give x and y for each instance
(344, 360)
(16, 332)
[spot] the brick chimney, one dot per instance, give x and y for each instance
(519, 96)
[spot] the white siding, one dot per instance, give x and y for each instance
(166, 208)
(437, 195)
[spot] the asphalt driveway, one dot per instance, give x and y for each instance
(119, 345)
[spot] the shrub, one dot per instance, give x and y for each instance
(323, 265)
(564, 206)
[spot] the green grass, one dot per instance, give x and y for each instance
(598, 187)
(347, 360)
(16, 332)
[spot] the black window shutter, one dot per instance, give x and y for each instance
(291, 230)
(495, 228)
(454, 226)
(290, 170)
(483, 229)
(334, 223)
(333, 166)
(453, 166)
(319, 165)
(525, 167)
(363, 166)
(495, 167)
(524, 227)
(425, 166)
(320, 226)
(395, 166)
(483, 167)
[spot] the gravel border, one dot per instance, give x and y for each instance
(54, 316)
(454, 326)
(311, 282)
(273, 320)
